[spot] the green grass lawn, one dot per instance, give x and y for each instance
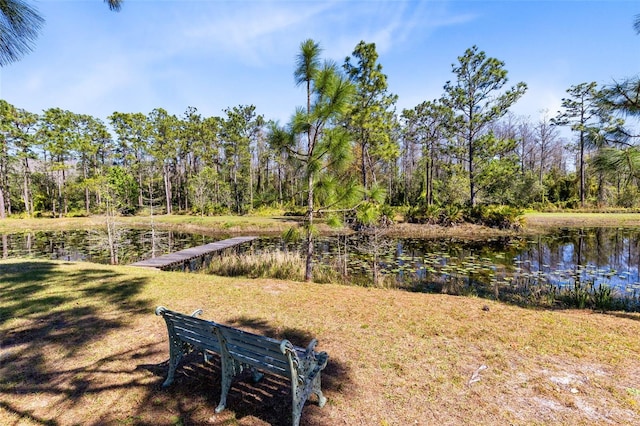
(80, 345)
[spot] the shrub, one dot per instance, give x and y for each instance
(451, 215)
(77, 213)
(629, 197)
(414, 215)
(217, 210)
(128, 211)
(267, 211)
(603, 298)
(24, 215)
(424, 214)
(40, 213)
(502, 217)
(297, 211)
(388, 213)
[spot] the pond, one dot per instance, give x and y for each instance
(92, 245)
(578, 263)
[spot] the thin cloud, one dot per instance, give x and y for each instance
(541, 99)
(252, 32)
(421, 19)
(82, 90)
(393, 25)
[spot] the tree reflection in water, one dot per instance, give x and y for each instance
(493, 268)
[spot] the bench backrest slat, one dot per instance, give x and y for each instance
(195, 331)
(258, 351)
(199, 339)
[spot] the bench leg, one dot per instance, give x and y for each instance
(174, 360)
(176, 351)
(318, 391)
(223, 396)
(228, 373)
(300, 395)
(296, 417)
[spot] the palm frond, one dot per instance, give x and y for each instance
(114, 5)
(19, 27)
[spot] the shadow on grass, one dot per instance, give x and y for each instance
(624, 315)
(195, 392)
(33, 288)
(296, 336)
(70, 387)
(335, 376)
(48, 316)
(28, 417)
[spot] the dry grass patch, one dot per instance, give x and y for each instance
(45, 224)
(206, 225)
(80, 345)
(574, 219)
(534, 223)
(268, 264)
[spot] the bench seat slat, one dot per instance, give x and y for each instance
(262, 343)
(254, 352)
(186, 329)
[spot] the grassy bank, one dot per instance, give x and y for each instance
(80, 344)
(262, 225)
(548, 220)
(211, 225)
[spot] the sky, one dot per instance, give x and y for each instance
(217, 54)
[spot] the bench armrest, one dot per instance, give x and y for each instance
(309, 365)
(305, 375)
(161, 309)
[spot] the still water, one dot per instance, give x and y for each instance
(608, 256)
(92, 245)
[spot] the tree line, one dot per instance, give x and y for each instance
(347, 146)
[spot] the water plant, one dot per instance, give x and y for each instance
(269, 264)
(276, 264)
(603, 297)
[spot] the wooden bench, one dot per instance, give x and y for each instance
(239, 349)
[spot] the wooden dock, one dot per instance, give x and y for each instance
(192, 258)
